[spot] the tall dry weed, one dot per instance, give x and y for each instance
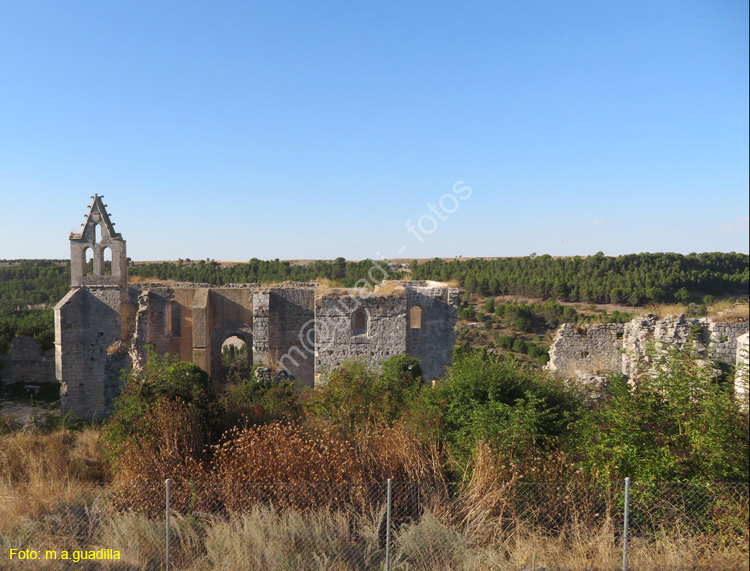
(172, 447)
(393, 452)
(41, 472)
(265, 538)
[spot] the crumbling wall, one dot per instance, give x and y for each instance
(709, 339)
(742, 371)
(612, 347)
(291, 324)
(593, 350)
(27, 363)
(432, 342)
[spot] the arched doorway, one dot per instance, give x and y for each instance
(232, 335)
(236, 360)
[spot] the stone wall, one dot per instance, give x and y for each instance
(337, 340)
(711, 339)
(291, 322)
(593, 350)
(600, 348)
(742, 364)
(87, 324)
(432, 343)
(27, 363)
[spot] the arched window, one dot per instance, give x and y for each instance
(415, 317)
(97, 234)
(359, 322)
(88, 262)
(107, 259)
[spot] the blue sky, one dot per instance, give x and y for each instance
(298, 130)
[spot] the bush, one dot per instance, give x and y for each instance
(677, 423)
(515, 409)
(163, 385)
(252, 401)
(468, 314)
(519, 346)
(353, 396)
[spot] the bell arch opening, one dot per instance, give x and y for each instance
(88, 261)
(107, 261)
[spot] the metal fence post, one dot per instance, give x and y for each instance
(625, 526)
(388, 527)
(166, 558)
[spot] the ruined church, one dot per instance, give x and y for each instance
(104, 324)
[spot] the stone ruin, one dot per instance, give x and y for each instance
(589, 353)
(105, 324)
(27, 363)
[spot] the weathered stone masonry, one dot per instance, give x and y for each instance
(606, 348)
(27, 363)
(104, 324)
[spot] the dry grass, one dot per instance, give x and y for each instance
(48, 501)
(730, 310)
(723, 311)
(60, 455)
(266, 538)
(40, 472)
(315, 519)
(149, 280)
(394, 452)
(285, 452)
(382, 289)
(389, 288)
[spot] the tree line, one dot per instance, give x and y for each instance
(28, 291)
(215, 273)
(633, 279)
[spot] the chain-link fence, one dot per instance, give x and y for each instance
(388, 525)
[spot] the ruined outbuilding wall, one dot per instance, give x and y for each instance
(711, 339)
(742, 364)
(594, 349)
(27, 363)
(619, 348)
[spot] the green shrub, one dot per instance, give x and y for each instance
(353, 396)
(519, 346)
(162, 380)
(515, 409)
(677, 423)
